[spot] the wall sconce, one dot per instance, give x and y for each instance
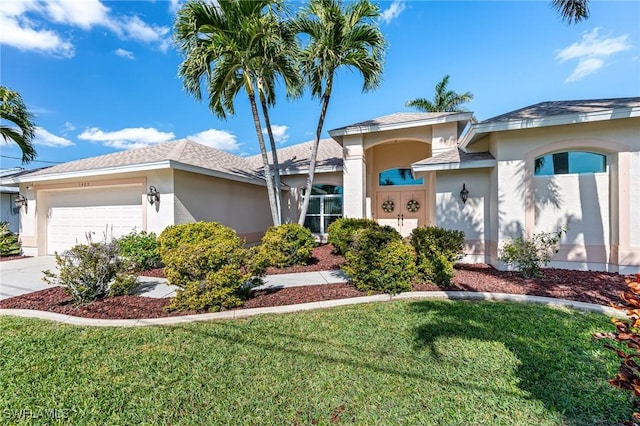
(464, 194)
(20, 201)
(153, 196)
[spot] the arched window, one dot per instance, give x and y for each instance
(398, 177)
(325, 206)
(562, 163)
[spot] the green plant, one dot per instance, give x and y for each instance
(209, 264)
(628, 334)
(529, 254)
(9, 243)
(286, 245)
(91, 271)
(380, 260)
(341, 232)
(437, 250)
(141, 248)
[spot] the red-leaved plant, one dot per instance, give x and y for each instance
(628, 333)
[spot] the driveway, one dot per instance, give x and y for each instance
(24, 275)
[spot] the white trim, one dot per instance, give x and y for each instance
(215, 173)
(356, 130)
(557, 120)
(324, 169)
(453, 166)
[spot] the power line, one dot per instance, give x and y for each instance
(36, 161)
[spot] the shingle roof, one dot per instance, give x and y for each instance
(296, 157)
(553, 108)
(455, 156)
(183, 151)
(396, 118)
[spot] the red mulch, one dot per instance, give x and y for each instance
(584, 286)
(12, 257)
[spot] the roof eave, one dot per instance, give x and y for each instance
(357, 130)
(480, 164)
(217, 173)
(305, 170)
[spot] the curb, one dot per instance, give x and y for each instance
(245, 313)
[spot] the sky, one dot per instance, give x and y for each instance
(101, 76)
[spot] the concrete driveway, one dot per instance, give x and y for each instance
(24, 275)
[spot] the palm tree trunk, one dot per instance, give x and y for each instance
(265, 158)
(314, 153)
(274, 156)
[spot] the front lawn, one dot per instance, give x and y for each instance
(426, 362)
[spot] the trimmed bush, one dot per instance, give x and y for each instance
(286, 245)
(380, 260)
(341, 232)
(529, 254)
(141, 248)
(92, 271)
(209, 264)
(9, 243)
(437, 250)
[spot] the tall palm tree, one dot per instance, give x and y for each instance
(338, 35)
(234, 46)
(444, 100)
(572, 11)
(20, 127)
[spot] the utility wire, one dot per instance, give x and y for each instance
(37, 161)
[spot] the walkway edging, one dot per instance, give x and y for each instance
(244, 313)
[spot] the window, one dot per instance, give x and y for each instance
(325, 206)
(398, 177)
(563, 163)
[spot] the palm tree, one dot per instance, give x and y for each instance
(572, 11)
(23, 130)
(444, 100)
(233, 46)
(338, 36)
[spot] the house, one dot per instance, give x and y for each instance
(553, 164)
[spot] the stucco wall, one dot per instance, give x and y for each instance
(241, 206)
(473, 218)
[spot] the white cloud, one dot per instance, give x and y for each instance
(591, 52)
(24, 25)
(279, 133)
(219, 139)
(393, 11)
(45, 138)
(124, 53)
(175, 5)
(129, 138)
(69, 127)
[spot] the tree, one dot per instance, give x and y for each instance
(232, 46)
(444, 100)
(21, 128)
(337, 35)
(572, 11)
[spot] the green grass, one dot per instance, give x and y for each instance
(428, 363)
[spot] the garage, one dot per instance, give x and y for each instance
(74, 214)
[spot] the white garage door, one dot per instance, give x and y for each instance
(73, 214)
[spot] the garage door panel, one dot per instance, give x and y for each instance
(73, 214)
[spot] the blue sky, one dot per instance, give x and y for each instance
(102, 76)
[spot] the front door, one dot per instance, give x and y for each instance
(402, 210)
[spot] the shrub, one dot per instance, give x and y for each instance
(141, 248)
(209, 264)
(286, 245)
(91, 271)
(628, 334)
(380, 260)
(437, 250)
(9, 244)
(529, 254)
(341, 232)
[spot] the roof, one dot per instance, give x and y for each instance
(294, 159)
(183, 154)
(455, 159)
(555, 113)
(401, 120)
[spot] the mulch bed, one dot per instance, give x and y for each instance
(585, 286)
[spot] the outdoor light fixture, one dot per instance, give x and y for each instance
(20, 201)
(464, 194)
(153, 195)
